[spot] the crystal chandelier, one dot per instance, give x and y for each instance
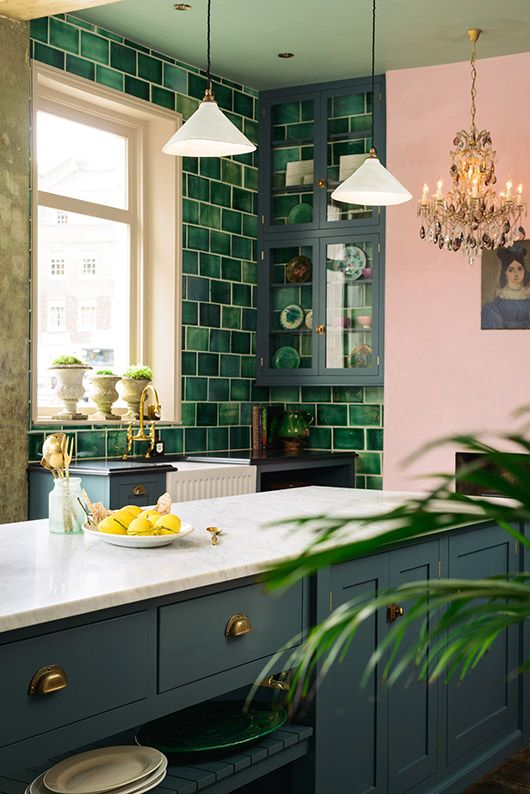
(471, 216)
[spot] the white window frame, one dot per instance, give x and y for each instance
(92, 306)
(56, 304)
(156, 238)
(55, 260)
(85, 259)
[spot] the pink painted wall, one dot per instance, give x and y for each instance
(443, 374)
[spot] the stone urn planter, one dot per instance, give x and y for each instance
(69, 389)
(132, 383)
(104, 393)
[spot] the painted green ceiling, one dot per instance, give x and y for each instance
(330, 38)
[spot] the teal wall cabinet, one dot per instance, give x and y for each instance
(320, 263)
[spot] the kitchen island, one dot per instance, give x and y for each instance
(141, 633)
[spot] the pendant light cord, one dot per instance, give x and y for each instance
(209, 47)
(373, 74)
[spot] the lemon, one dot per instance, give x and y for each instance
(151, 515)
(123, 516)
(134, 510)
(112, 525)
(168, 525)
(140, 526)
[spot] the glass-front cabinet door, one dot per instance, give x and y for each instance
(286, 334)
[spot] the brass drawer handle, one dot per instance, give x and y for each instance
(48, 680)
(276, 683)
(320, 329)
(139, 490)
(393, 612)
(238, 625)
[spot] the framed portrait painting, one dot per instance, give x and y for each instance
(506, 287)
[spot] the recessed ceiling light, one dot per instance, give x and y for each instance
(286, 55)
(182, 6)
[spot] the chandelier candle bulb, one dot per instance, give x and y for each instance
(425, 195)
(509, 187)
(519, 195)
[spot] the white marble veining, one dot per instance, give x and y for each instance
(46, 577)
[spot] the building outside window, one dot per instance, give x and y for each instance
(87, 316)
(62, 217)
(57, 267)
(88, 266)
(56, 316)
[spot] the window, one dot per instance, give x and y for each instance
(102, 183)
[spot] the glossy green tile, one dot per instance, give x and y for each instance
(81, 67)
(348, 394)
(241, 247)
(109, 35)
(319, 438)
(224, 96)
(109, 77)
(333, 415)
(173, 438)
(259, 394)
(210, 265)
(190, 262)
(96, 48)
(246, 414)
(239, 390)
(196, 338)
(249, 319)
(221, 292)
(374, 483)
(198, 188)
(231, 366)
(210, 215)
(190, 165)
(217, 438)
(251, 178)
(239, 437)
(207, 414)
(219, 389)
(220, 340)
(228, 413)
(198, 238)
(374, 439)
(163, 97)
(208, 364)
(91, 444)
(149, 68)
(243, 104)
(231, 172)
(122, 58)
(189, 363)
(64, 36)
(285, 394)
(219, 242)
(38, 29)
(365, 415)
(137, 88)
(116, 443)
(48, 55)
(242, 199)
(186, 105)
(369, 463)
(196, 389)
(210, 167)
(136, 45)
(348, 438)
(248, 366)
(373, 394)
(194, 439)
(241, 294)
(196, 85)
(317, 394)
(35, 442)
(240, 342)
(249, 272)
(190, 211)
(198, 288)
(210, 315)
(221, 194)
(188, 414)
(175, 78)
(250, 225)
(231, 269)
(231, 221)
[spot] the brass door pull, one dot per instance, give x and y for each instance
(393, 612)
(275, 683)
(139, 490)
(48, 680)
(238, 625)
(320, 329)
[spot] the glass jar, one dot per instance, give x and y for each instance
(66, 516)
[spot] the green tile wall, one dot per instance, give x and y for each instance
(219, 268)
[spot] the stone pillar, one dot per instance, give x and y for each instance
(14, 267)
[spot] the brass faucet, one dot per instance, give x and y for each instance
(153, 415)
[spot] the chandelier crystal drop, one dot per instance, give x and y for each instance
(471, 216)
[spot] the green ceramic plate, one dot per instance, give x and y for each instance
(291, 317)
(210, 728)
(301, 213)
(286, 358)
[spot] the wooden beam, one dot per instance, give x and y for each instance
(31, 9)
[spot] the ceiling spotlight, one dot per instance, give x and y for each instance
(286, 55)
(182, 6)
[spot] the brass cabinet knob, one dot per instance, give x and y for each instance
(321, 183)
(320, 329)
(393, 612)
(139, 490)
(238, 625)
(48, 680)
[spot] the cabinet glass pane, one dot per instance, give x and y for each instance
(292, 177)
(349, 304)
(291, 306)
(349, 120)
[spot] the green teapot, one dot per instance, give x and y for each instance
(294, 429)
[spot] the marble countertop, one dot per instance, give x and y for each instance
(47, 577)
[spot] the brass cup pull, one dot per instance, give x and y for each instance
(238, 625)
(48, 680)
(139, 490)
(393, 612)
(320, 329)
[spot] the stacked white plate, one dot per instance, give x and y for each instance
(120, 770)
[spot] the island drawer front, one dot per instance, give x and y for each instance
(106, 666)
(141, 490)
(192, 641)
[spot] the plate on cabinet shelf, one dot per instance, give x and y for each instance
(286, 358)
(361, 356)
(291, 317)
(353, 263)
(298, 269)
(137, 787)
(309, 319)
(138, 541)
(301, 213)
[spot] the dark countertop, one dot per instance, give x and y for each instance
(248, 456)
(106, 468)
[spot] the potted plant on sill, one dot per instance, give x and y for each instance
(104, 393)
(132, 383)
(69, 372)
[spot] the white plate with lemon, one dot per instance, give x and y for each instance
(139, 529)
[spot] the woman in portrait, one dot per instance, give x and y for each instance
(511, 305)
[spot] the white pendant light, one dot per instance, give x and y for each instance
(208, 132)
(371, 184)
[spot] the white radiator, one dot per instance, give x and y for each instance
(208, 480)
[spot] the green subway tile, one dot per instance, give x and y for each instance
(122, 58)
(162, 97)
(240, 342)
(224, 96)
(207, 414)
(137, 88)
(249, 320)
(91, 444)
(220, 340)
(243, 104)
(190, 165)
(189, 363)
(246, 413)
(240, 390)
(348, 105)
(364, 415)
(248, 366)
(220, 292)
(210, 167)
(237, 121)
(186, 105)
(231, 269)
(369, 463)
(210, 216)
(198, 289)
(94, 47)
(245, 159)
(333, 415)
(250, 272)
(317, 394)
(109, 77)
(109, 35)
(198, 238)
(173, 438)
(79, 66)
(228, 413)
(35, 442)
(239, 437)
(190, 211)
(196, 338)
(219, 389)
(360, 480)
(190, 262)
(242, 200)
(241, 294)
(208, 364)
(217, 438)
(38, 29)
(196, 389)
(210, 315)
(194, 439)
(80, 22)
(175, 78)
(63, 36)
(221, 194)
(251, 178)
(373, 394)
(198, 188)
(219, 242)
(136, 46)
(286, 113)
(348, 438)
(149, 68)
(231, 221)
(188, 413)
(374, 483)
(285, 394)
(48, 55)
(374, 439)
(116, 443)
(241, 247)
(196, 86)
(231, 172)
(260, 394)
(232, 366)
(210, 265)
(319, 438)
(250, 128)
(348, 394)
(250, 225)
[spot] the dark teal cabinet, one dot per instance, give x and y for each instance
(320, 263)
